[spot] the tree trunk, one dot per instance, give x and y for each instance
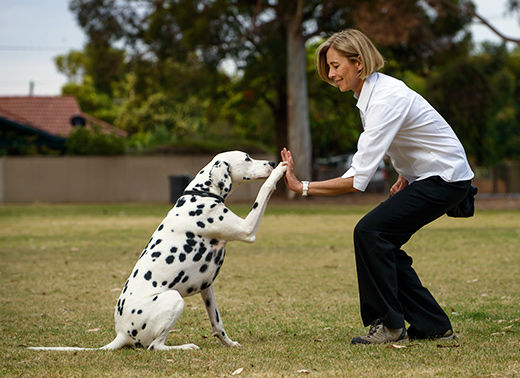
(297, 103)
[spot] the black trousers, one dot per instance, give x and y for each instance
(389, 288)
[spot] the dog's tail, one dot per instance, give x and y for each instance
(119, 342)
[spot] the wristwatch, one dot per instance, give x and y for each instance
(305, 188)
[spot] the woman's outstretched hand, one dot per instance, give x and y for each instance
(291, 180)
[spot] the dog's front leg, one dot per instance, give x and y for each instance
(214, 317)
(246, 229)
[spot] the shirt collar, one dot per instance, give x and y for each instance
(366, 91)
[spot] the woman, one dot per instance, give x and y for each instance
(434, 176)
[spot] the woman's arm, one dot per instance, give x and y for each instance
(330, 187)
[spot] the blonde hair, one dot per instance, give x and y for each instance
(353, 45)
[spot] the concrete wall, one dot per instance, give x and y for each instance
(101, 179)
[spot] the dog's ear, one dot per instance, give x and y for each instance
(220, 176)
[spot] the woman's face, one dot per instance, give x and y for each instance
(344, 72)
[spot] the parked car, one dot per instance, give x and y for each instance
(335, 166)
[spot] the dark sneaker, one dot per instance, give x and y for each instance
(380, 334)
(448, 335)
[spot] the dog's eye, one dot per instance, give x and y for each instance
(248, 158)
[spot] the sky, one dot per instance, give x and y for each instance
(33, 32)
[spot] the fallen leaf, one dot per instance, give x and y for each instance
(238, 371)
(93, 330)
(115, 289)
(472, 281)
(502, 321)
(303, 371)
(509, 327)
(498, 333)
(396, 346)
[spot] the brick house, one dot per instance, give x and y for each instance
(43, 123)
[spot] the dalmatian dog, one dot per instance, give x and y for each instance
(186, 252)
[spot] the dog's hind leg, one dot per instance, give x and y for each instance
(215, 318)
(168, 309)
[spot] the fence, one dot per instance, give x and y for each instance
(102, 179)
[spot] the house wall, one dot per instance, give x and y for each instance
(101, 179)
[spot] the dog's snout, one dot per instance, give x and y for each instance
(272, 164)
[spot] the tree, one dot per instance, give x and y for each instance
(265, 39)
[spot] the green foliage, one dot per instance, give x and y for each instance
(83, 141)
(478, 95)
(163, 83)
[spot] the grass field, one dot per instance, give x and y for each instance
(290, 298)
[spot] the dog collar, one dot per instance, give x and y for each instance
(202, 194)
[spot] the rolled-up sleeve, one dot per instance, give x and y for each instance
(382, 121)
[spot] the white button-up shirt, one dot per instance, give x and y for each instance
(399, 123)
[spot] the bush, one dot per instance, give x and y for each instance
(84, 141)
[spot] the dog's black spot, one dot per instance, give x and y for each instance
(156, 254)
(207, 183)
(193, 199)
(187, 248)
(205, 285)
(134, 333)
(180, 202)
(202, 248)
(170, 259)
(212, 206)
(176, 279)
(245, 178)
(160, 227)
(138, 345)
(153, 246)
(148, 276)
(221, 218)
(201, 225)
(213, 242)
(155, 298)
(139, 312)
(190, 235)
(158, 241)
(225, 210)
(191, 242)
(192, 213)
(208, 303)
(190, 290)
(182, 257)
(133, 311)
(203, 268)
(255, 205)
(209, 256)
(185, 279)
(144, 326)
(216, 315)
(135, 273)
(154, 283)
(210, 220)
(221, 185)
(201, 206)
(173, 249)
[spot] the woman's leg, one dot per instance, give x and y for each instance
(389, 288)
